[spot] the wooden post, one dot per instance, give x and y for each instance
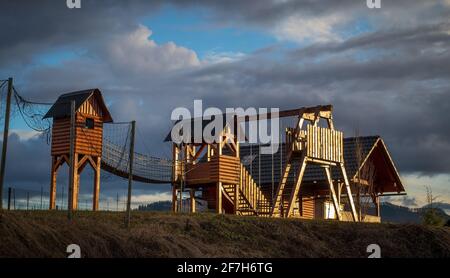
(219, 198)
(96, 195)
(337, 208)
(53, 177)
(28, 199)
(9, 197)
(236, 191)
(76, 184)
(183, 171)
(349, 193)
(130, 173)
(72, 165)
(297, 186)
(42, 196)
(5, 138)
(377, 205)
(192, 200)
(174, 197)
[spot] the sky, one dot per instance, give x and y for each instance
(386, 71)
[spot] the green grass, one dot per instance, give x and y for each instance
(157, 234)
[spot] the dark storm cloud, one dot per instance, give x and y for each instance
(409, 41)
(38, 26)
(27, 160)
(31, 27)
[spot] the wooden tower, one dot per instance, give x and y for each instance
(312, 144)
(90, 114)
(215, 170)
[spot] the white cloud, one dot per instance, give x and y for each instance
(23, 135)
(299, 28)
(213, 57)
(138, 53)
(415, 186)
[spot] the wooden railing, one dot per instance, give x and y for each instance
(223, 168)
(295, 139)
(252, 193)
(324, 143)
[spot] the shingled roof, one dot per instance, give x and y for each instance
(260, 167)
(61, 108)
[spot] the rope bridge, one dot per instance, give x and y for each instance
(146, 168)
(116, 142)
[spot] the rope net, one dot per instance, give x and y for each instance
(116, 141)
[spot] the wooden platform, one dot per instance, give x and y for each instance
(221, 168)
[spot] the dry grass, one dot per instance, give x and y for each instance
(102, 234)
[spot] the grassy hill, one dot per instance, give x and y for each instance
(390, 213)
(159, 234)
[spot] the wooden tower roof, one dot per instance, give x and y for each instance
(61, 108)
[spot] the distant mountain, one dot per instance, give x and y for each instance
(167, 206)
(400, 214)
(156, 206)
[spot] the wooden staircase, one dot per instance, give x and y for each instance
(247, 197)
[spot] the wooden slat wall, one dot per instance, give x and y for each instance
(87, 141)
(229, 169)
(324, 143)
(91, 107)
(221, 168)
(307, 207)
(61, 136)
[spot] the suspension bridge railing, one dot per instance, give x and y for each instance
(147, 169)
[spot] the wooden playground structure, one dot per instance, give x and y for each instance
(216, 171)
(322, 175)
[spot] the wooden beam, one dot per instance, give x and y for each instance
(76, 190)
(219, 198)
(82, 163)
(281, 186)
(296, 189)
(337, 209)
(96, 193)
(60, 161)
(290, 113)
(130, 173)
(5, 138)
(192, 192)
(73, 160)
(174, 198)
(349, 193)
(54, 173)
(236, 198)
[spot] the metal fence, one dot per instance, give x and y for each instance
(15, 198)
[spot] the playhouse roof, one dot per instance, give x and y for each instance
(61, 108)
